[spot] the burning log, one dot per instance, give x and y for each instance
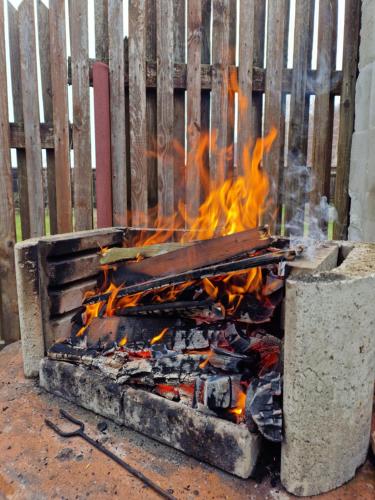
(205, 272)
(232, 362)
(116, 254)
(182, 309)
(201, 254)
(263, 406)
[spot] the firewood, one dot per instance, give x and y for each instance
(182, 309)
(116, 254)
(201, 254)
(204, 272)
(218, 391)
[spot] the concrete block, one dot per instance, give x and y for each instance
(29, 305)
(82, 386)
(229, 446)
(367, 45)
(362, 98)
(226, 445)
(329, 357)
(324, 258)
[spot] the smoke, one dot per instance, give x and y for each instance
(310, 223)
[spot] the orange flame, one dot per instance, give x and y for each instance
(158, 337)
(240, 405)
(232, 205)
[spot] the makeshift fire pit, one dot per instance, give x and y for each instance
(199, 372)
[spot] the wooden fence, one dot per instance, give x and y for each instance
(176, 71)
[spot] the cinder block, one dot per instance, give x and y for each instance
(367, 45)
(329, 356)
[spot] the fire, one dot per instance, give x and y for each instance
(235, 204)
(240, 405)
(123, 342)
(158, 337)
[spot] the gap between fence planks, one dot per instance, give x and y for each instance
(9, 328)
(350, 70)
(137, 113)
(205, 96)
(60, 115)
(31, 117)
(46, 85)
(117, 103)
(79, 42)
(165, 106)
(14, 53)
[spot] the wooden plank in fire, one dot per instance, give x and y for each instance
(203, 253)
(182, 309)
(205, 272)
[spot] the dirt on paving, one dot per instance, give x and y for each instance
(37, 464)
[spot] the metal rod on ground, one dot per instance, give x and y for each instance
(80, 433)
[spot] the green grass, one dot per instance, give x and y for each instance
(19, 227)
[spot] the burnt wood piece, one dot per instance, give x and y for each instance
(263, 406)
(204, 272)
(202, 254)
(218, 391)
(182, 309)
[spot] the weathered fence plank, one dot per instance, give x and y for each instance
(232, 38)
(79, 43)
(272, 105)
(14, 53)
(206, 95)
(179, 103)
(137, 112)
(8, 296)
(31, 117)
(295, 188)
(323, 109)
(258, 60)
(101, 30)
(245, 81)
(165, 113)
(193, 167)
(60, 115)
(117, 100)
(46, 85)
(219, 93)
(350, 69)
(152, 168)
